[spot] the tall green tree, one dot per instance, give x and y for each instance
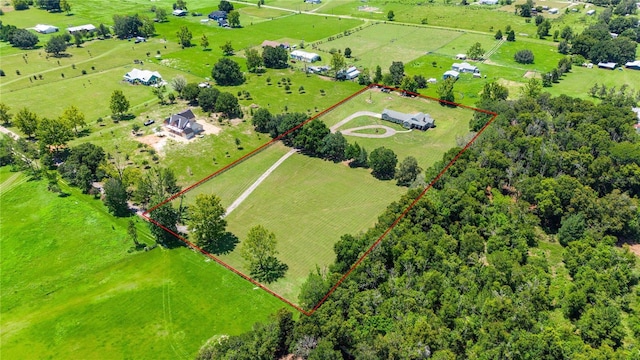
(259, 251)
(26, 121)
(228, 105)
(56, 45)
(234, 19)
(206, 223)
(115, 197)
(132, 232)
(445, 90)
(408, 171)
(337, 63)
(5, 115)
(226, 72)
(74, 117)
(476, 51)
(391, 15)
(383, 163)
(397, 72)
(275, 57)
(207, 99)
(204, 41)
(119, 105)
(254, 60)
(54, 132)
(184, 36)
(227, 48)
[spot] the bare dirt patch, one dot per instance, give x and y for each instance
(369, 9)
(531, 74)
(635, 248)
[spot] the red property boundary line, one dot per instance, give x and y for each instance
(373, 246)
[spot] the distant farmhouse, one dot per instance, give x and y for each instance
(607, 65)
(284, 45)
(461, 57)
(144, 77)
(451, 74)
(418, 121)
(591, 12)
(81, 28)
(465, 68)
(183, 124)
(313, 1)
(488, 2)
(634, 65)
(304, 56)
(553, 11)
(45, 29)
(349, 74)
(179, 12)
(218, 15)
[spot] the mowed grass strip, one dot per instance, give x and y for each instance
(71, 289)
(309, 203)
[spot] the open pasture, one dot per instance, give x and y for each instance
(77, 296)
(381, 44)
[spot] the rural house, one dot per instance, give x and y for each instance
(144, 77)
(45, 29)
(304, 56)
(488, 2)
(635, 65)
(179, 12)
(183, 124)
(420, 121)
(349, 74)
(451, 74)
(313, 1)
(461, 57)
(607, 65)
(284, 45)
(81, 28)
(465, 68)
(218, 15)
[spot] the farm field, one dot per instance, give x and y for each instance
(77, 296)
(371, 46)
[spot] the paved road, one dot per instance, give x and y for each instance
(253, 186)
(4, 130)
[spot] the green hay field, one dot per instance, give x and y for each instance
(71, 288)
(373, 45)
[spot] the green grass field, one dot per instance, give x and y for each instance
(372, 45)
(70, 288)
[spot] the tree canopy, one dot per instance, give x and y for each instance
(206, 222)
(226, 72)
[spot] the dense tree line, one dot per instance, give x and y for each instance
(461, 277)
(597, 44)
(127, 26)
(17, 37)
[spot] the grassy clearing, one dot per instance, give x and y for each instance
(309, 203)
(426, 146)
(372, 45)
(580, 80)
(75, 296)
(545, 53)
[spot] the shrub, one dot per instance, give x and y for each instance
(524, 57)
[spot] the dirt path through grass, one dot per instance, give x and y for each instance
(262, 177)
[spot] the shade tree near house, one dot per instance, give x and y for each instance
(190, 93)
(225, 6)
(119, 105)
(56, 45)
(206, 223)
(158, 183)
(127, 26)
(275, 57)
(227, 104)
(254, 60)
(357, 155)
(337, 63)
(396, 70)
(259, 252)
(234, 19)
(207, 98)
(74, 117)
(54, 132)
(445, 90)
(476, 52)
(23, 39)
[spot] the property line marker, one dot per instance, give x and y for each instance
(269, 143)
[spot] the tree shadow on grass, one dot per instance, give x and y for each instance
(226, 244)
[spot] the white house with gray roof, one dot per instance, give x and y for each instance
(183, 124)
(420, 121)
(465, 67)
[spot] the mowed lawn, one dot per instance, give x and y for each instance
(381, 44)
(452, 125)
(307, 202)
(70, 288)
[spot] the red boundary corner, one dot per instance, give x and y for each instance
(373, 246)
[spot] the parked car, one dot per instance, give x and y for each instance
(149, 122)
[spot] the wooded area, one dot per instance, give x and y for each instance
(458, 278)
